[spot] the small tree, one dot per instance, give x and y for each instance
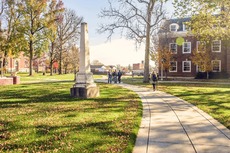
(203, 58)
(55, 9)
(67, 33)
(164, 59)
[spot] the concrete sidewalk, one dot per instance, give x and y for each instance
(171, 125)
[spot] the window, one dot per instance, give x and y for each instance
(186, 47)
(216, 46)
(200, 68)
(173, 48)
(216, 66)
(173, 27)
(186, 66)
(185, 27)
(200, 46)
(173, 66)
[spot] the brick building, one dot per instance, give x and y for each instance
(138, 66)
(19, 64)
(176, 38)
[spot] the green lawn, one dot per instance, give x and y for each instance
(212, 98)
(40, 116)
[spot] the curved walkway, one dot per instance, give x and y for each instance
(171, 125)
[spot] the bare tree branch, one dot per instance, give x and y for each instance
(136, 19)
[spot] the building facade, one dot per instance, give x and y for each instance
(176, 38)
(18, 64)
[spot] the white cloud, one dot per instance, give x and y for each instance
(119, 51)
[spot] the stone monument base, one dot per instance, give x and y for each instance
(84, 91)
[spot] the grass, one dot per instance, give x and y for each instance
(213, 98)
(40, 116)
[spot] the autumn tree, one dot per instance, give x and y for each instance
(67, 32)
(2, 37)
(137, 20)
(55, 14)
(35, 20)
(96, 62)
(209, 19)
(202, 57)
(161, 53)
(71, 59)
(74, 58)
(12, 42)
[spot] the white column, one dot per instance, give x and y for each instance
(84, 66)
(84, 76)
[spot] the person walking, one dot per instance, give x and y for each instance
(114, 74)
(154, 80)
(119, 74)
(109, 77)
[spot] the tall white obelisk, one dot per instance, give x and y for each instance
(84, 86)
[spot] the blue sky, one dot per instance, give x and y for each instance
(89, 10)
(118, 50)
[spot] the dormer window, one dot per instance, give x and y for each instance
(185, 27)
(174, 27)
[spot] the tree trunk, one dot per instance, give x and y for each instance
(31, 58)
(51, 67)
(2, 66)
(60, 60)
(146, 67)
(51, 58)
(60, 65)
(147, 44)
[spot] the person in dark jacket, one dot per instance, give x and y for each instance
(115, 76)
(119, 74)
(154, 80)
(109, 77)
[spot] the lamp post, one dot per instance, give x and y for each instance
(162, 60)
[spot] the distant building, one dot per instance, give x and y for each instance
(138, 66)
(98, 68)
(181, 63)
(101, 68)
(18, 64)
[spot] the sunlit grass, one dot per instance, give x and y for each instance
(211, 97)
(42, 117)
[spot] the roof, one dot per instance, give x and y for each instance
(180, 22)
(96, 66)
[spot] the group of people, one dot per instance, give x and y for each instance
(114, 76)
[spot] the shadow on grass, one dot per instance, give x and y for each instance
(53, 137)
(51, 92)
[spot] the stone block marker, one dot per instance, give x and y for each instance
(84, 86)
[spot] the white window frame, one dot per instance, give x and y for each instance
(175, 66)
(197, 46)
(217, 51)
(183, 65)
(176, 27)
(185, 27)
(219, 65)
(170, 48)
(183, 48)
